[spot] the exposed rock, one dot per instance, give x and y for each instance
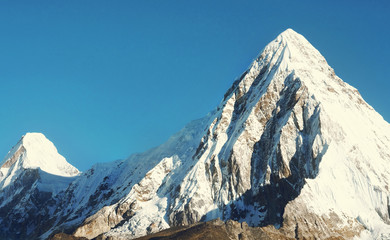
(64, 236)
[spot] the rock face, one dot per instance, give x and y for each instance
(292, 151)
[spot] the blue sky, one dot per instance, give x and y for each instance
(104, 79)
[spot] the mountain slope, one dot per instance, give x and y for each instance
(290, 145)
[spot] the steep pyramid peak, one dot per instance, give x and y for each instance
(295, 45)
(289, 32)
(34, 150)
(289, 36)
(290, 53)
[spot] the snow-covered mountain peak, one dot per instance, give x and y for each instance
(290, 35)
(34, 151)
(293, 49)
(291, 54)
(289, 31)
(34, 140)
(31, 176)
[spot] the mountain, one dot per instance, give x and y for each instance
(292, 151)
(31, 175)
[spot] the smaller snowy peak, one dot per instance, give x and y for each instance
(33, 151)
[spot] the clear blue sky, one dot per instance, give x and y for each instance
(104, 79)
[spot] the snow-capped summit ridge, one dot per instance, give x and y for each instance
(293, 49)
(290, 33)
(33, 137)
(33, 151)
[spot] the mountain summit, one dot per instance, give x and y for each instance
(291, 150)
(33, 151)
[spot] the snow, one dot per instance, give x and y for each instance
(41, 153)
(53, 183)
